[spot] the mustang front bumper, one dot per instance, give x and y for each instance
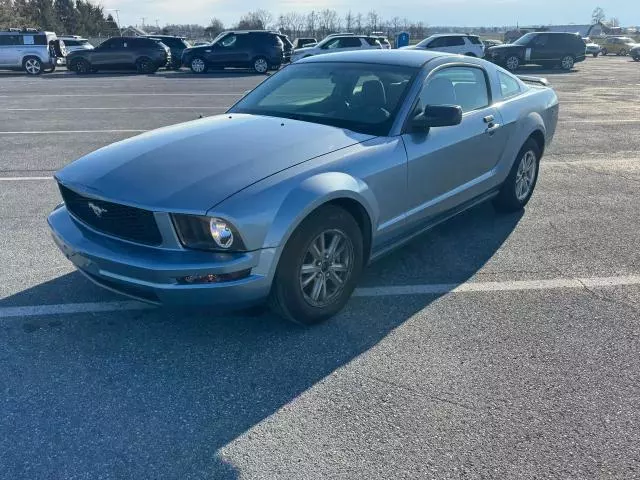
(155, 275)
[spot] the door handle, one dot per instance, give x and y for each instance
(491, 129)
(488, 119)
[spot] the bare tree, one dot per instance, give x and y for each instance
(255, 20)
(348, 21)
(357, 23)
(298, 23)
(613, 22)
(328, 21)
(373, 21)
(312, 22)
(215, 27)
(598, 15)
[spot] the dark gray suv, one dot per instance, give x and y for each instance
(121, 53)
(256, 49)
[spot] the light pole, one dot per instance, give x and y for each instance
(117, 17)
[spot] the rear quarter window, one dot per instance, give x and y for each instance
(509, 86)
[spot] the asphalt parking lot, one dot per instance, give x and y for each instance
(492, 347)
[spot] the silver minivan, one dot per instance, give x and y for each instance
(29, 49)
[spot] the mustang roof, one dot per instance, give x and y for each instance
(409, 58)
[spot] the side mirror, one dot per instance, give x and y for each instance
(436, 116)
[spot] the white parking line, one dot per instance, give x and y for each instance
(41, 132)
(552, 284)
(386, 291)
(112, 108)
(202, 94)
(23, 179)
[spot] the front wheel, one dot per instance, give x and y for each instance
(604, 52)
(595, 55)
(567, 62)
(32, 66)
(319, 267)
(198, 65)
(517, 189)
(636, 58)
(81, 67)
(512, 63)
(623, 53)
(260, 65)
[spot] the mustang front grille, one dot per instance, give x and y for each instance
(129, 223)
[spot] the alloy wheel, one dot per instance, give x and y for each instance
(526, 175)
(513, 63)
(32, 66)
(326, 267)
(261, 65)
(567, 63)
(197, 65)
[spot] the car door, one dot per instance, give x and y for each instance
(451, 165)
(110, 54)
(10, 50)
(225, 52)
(538, 49)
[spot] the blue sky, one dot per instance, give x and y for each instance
(432, 12)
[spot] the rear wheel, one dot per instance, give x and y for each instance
(319, 267)
(512, 63)
(145, 65)
(567, 62)
(32, 65)
(198, 65)
(595, 55)
(517, 189)
(623, 53)
(605, 52)
(260, 65)
(636, 58)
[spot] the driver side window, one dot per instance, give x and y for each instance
(462, 86)
(229, 42)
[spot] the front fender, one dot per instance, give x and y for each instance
(311, 194)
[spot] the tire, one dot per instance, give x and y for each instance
(509, 199)
(512, 63)
(81, 67)
(595, 55)
(260, 65)
(567, 62)
(145, 65)
(623, 53)
(198, 65)
(636, 58)
(32, 66)
(604, 52)
(293, 301)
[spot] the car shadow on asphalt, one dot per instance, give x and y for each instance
(149, 392)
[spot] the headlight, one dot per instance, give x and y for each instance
(207, 233)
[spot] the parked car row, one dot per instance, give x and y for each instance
(260, 50)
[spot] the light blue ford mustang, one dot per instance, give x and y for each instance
(322, 168)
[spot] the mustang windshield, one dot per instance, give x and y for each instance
(358, 96)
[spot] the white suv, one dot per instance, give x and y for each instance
(30, 50)
(459, 43)
(338, 43)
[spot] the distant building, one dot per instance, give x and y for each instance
(133, 32)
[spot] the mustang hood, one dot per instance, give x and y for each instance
(193, 166)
